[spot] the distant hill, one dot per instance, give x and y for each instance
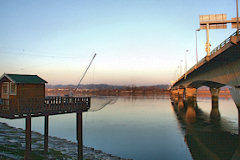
(104, 86)
(162, 86)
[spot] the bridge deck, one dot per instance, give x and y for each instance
(40, 107)
(234, 39)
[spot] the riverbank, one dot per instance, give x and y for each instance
(129, 91)
(109, 91)
(12, 146)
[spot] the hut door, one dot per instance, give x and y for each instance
(5, 90)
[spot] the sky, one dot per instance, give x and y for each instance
(137, 42)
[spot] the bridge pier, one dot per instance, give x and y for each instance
(215, 114)
(174, 95)
(190, 97)
(180, 98)
(235, 92)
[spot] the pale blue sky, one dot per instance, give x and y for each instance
(137, 41)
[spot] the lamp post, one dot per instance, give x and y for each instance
(186, 60)
(178, 73)
(180, 67)
(196, 44)
(207, 42)
(237, 18)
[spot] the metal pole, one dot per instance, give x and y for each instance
(196, 45)
(207, 43)
(180, 67)
(186, 60)
(84, 73)
(237, 18)
(178, 73)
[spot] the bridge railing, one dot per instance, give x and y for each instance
(48, 104)
(226, 41)
(223, 43)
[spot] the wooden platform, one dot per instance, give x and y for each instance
(40, 107)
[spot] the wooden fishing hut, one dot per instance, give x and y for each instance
(19, 91)
(23, 96)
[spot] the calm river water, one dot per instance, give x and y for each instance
(150, 128)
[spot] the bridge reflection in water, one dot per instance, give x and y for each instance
(206, 136)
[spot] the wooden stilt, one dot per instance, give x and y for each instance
(46, 133)
(28, 137)
(79, 135)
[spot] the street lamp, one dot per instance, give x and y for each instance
(178, 73)
(237, 18)
(186, 60)
(180, 67)
(196, 44)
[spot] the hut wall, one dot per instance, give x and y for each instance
(31, 95)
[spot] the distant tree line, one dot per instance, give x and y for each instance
(107, 90)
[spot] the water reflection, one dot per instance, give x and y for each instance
(150, 128)
(207, 138)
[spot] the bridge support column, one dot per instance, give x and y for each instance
(195, 100)
(235, 92)
(174, 95)
(191, 97)
(215, 114)
(180, 99)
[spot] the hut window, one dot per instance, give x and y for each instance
(5, 88)
(13, 89)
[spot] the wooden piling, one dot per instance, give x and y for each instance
(28, 137)
(46, 126)
(79, 135)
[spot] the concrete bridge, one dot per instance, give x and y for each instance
(220, 68)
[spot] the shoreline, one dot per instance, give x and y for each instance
(224, 93)
(12, 146)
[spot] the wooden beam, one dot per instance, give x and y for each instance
(79, 135)
(28, 137)
(46, 126)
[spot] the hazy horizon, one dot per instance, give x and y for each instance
(107, 84)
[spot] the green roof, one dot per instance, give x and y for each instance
(20, 78)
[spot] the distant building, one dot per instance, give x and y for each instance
(18, 91)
